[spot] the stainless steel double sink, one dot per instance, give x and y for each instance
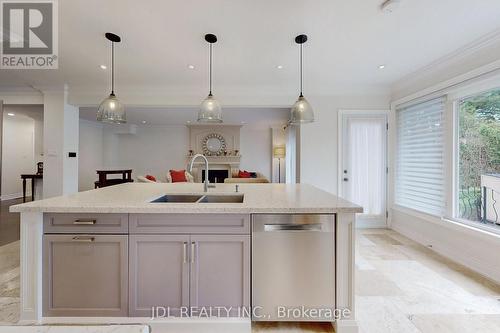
(206, 198)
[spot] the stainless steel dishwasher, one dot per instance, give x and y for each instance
(293, 266)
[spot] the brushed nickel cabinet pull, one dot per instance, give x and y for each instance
(83, 239)
(184, 252)
(193, 245)
(86, 222)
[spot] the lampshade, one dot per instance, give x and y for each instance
(301, 112)
(111, 111)
(279, 152)
(210, 111)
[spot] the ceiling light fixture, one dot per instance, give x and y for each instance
(301, 112)
(279, 67)
(103, 66)
(381, 66)
(111, 110)
(143, 121)
(11, 114)
(390, 6)
(191, 66)
(210, 109)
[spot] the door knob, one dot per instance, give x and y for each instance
(346, 179)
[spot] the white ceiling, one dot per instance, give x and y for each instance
(34, 112)
(347, 41)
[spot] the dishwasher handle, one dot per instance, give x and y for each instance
(293, 227)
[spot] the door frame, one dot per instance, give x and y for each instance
(340, 156)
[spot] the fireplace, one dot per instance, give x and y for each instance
(215, 176)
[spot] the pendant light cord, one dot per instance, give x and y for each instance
(112, 68)
(210, 72)
(301, 45)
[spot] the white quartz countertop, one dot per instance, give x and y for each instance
(136, 198)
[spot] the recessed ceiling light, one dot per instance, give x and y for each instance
(390, 6)
(279, 67)
(143, 121)
(191, 66)
(103, 66)
(11, 114)
(381, 66)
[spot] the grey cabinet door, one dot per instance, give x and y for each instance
(159, 273)
(85, 275)
(220, 272)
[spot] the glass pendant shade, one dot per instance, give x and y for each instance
(302, 112)
(210, 110)
(111, 111)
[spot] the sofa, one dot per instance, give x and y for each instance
(235, 179)
(168, 179)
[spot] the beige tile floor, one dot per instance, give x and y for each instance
(400, 287)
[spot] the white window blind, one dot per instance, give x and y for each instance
(419, 162)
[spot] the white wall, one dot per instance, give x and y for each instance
(71, 141)
(151, 150)
(60, 175)
(39, 140)
(155, 149)
(18, 153)
(91, 153)
(481, 249)
(319, 140)
(256, 150)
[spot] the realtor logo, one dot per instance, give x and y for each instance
(29, 31)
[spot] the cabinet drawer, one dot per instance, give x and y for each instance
(190, 223)
(85, 223)
(85, 275)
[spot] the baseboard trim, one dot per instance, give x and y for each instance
(460, 255)
(360, 224)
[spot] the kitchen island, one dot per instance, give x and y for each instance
(124, 253)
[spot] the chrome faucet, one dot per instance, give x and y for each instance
(206, 169)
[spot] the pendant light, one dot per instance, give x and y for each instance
(301, 112)
(111, 110)
(210, 110)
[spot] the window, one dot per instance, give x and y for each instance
(478, 183)
(420, 161)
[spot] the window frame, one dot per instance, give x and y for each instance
(455, 97)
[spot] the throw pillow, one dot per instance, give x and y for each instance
(151, 178)
(178, 176)
(244, 174)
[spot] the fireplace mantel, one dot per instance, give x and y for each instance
(229, 162)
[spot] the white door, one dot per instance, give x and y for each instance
(363, 174)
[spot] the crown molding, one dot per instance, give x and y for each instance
(490, 39)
